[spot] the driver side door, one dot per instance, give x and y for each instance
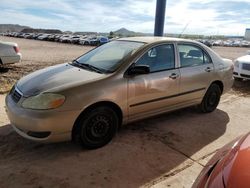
(153, 93)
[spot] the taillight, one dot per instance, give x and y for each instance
(16, 49)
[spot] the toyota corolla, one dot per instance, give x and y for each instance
(119, 82)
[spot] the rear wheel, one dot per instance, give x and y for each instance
(211, 99)
(97, 127)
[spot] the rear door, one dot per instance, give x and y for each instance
(196, 69)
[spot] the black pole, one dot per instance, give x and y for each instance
(159, 17)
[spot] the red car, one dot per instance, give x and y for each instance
(229, 168)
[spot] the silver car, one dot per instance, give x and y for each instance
(9, 53)
(117, 83)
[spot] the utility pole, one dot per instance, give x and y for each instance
(159, 17)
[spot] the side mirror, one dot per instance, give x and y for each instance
(139, 69)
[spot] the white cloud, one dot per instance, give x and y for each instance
(203, 20)
(104, 15)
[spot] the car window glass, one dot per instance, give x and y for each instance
(109, 56)
(207, 59)
(159, 58)
(192, 56)
(152, 52)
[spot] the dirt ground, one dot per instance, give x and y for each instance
(165, 151)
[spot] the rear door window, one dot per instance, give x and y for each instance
(191, 55)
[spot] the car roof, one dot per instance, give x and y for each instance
(154, 39)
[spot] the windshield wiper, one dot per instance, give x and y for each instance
(88, 66)
(96, 69)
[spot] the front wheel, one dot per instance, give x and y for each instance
(97, 127)
(211, 99)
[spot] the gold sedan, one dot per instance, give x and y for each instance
(117, 83)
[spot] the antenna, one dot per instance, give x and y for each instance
(184, 29)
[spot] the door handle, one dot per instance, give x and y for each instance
(208, 69)
(173, 76)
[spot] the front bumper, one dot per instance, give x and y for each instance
(32, 124)
(241, 73)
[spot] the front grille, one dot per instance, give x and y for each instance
(246, 66)
(15, 95)
(244, 75)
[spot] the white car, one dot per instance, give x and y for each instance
(65, 39)
(43, 37)
(242, 67)
(9, 53)
(83, 40)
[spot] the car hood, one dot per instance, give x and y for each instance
(236, 171)
(229, 167)
(244, 59)
(51, 78)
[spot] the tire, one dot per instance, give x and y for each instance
(97, 127)
(211, 99)
(86, 43)
(238, 79)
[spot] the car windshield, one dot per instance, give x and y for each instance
(108, 56)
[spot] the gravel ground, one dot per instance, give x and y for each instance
(165, 151)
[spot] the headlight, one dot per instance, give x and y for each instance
(44, 101)
(236, 63)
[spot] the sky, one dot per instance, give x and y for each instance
(204, 17)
